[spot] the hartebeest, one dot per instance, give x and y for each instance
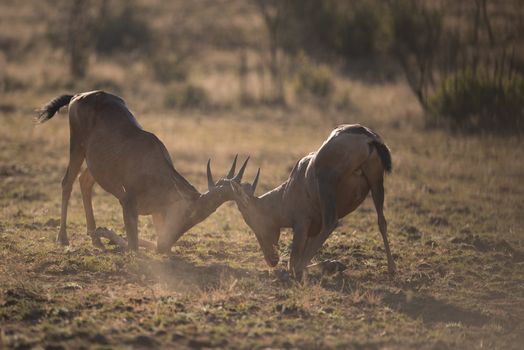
(134, 166)
(322, 187)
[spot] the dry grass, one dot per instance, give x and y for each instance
(454, 205)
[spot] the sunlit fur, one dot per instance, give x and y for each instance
(134, 166)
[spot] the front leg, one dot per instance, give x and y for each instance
(114, 238)
(314, 238)
(130, 220)
(327, 197)
(158, 222)
(313, 243)
(171, 228)
(300, 233)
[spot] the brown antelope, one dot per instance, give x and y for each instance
(134, 166)
(322, 187)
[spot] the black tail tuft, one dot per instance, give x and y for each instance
(385, 155)
(48, 111)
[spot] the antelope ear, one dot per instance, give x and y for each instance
(240, 193)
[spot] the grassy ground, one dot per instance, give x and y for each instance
(454, 205)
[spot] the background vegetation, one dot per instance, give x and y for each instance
(462, 60)
(441, 81)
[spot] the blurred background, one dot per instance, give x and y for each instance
(443, 63)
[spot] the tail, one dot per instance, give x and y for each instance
(49, 110)
(384, 154)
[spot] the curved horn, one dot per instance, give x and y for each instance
(232, 170)
(238, 177)
(255, 182)
(210, 182)
(241, 195)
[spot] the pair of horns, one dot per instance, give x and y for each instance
(230, 175)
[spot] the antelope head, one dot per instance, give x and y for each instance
(222, 186)
(261, 215)
(180, 219)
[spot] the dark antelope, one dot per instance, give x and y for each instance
(322, 187)
(134, 166)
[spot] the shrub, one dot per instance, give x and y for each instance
(480, 99)
(367, 30)
(122, 29)
(344, 102)
(12, 83)
(358, 28)
(171, 68)
(186, 96)
(314, 80)
(417, 32)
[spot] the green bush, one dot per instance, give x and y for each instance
(358, 28)
(171, 68)
(122, 29)
(417, 32)
(479, 99)
(314, 80)
(367, 30)
(416, 28)
(11, 83)
(186, 96)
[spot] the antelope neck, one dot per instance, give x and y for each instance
(271, 204)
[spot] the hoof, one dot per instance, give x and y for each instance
(113, 238)
(297, 274)
(132, 247)
(96, 241)
(392, 269)
(62, 239)
(299, 278)
(163, 251)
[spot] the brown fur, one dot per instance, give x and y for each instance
(134, 166)
(323, 187)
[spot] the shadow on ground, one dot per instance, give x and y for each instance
(431, 310)
(416, 305)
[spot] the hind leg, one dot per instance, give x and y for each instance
(86, 188)
(378, 199)
(76, 158)
(374, 175)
